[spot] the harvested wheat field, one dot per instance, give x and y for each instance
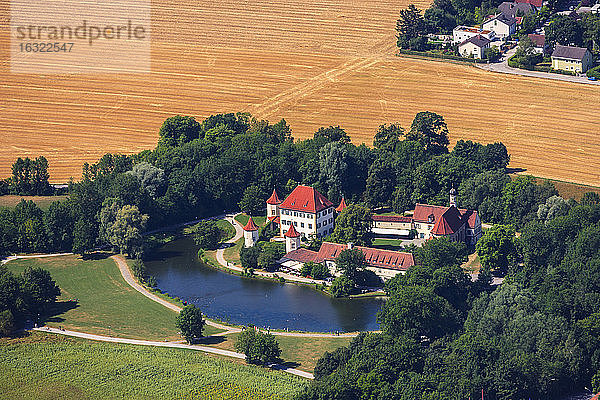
(312, 62)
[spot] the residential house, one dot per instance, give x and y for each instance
(475, 47)
(514, 10)
(539, 43)
(536, 3)
(595, 9)
(501, 25)
(571, 58)
(311, 213)
(462, 33)
(384, 263)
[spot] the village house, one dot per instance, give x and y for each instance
(384, 263)
(514, 10)
(429, 221)
(501, 25)
(571, 58)
(539, 43)
(536, 3)
(462, 33)
(475, 47)
(311, 213)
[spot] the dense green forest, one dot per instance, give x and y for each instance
(536, 336)
(203, 169)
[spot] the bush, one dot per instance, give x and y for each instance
(207, 234)
(139, 270)
(259, 348)
(249, 256)
(190, 323)
(319, 271)
(341, 286)
(7, 323)
(594, 72)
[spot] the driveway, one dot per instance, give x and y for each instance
(503, 68)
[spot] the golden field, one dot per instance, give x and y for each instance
(312, 62)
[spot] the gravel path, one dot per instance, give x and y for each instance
(177, 345)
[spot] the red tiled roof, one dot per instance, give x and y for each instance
(391, 218)
(470, 216)
(423, 211)
(275, 218)
(273, 199)
(342, 206)
(302, 255)
(538, 40)
(449, 222)
(250, 226)
(374, 257)
(535, 3)
(306, 198)
(292, 232)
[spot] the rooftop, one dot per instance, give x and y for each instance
(274, 199)
(478, 41)
(306, 198)
(569, 52)
(472, 29)
(391, 218)
(250, 226)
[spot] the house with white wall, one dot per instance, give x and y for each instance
(501, 25)
(462, 33)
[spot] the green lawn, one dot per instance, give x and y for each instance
(301, 352)
(232, 254)
(388, 244)
(104, 300)
(45, 366)
(43, 202)
(243, 219)
(227, 229)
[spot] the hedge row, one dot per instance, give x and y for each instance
(440, 56)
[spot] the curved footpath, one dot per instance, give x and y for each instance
(204, 349)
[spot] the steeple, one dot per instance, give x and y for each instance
(292, 239)
(342, 206)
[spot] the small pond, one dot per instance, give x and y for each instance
(243, 301)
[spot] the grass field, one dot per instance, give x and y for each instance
(43, 202)
(311, 62)
(243, 219)
(43, 366)
(104, 300)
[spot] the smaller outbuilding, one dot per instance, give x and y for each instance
(539, 43)
(514, 10)
(571, 58)
(474, 47)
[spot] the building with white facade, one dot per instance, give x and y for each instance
(501, 25)
(475, 47)
(250, 233)
(462, 33)
(311, 213)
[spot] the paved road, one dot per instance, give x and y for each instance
(204, 349)
(502, 67)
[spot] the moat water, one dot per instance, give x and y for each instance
(244, 301)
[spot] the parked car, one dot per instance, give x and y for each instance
(592, 78)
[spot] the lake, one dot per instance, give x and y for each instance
(244, 301)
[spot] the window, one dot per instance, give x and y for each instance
(272, 212)
(318, 225)
(301, 224)
(309, 226)
(295, 223)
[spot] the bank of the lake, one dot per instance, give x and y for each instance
(238, 300)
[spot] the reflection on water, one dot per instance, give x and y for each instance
(263, 303)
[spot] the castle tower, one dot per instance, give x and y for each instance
(292, 239)
(250, 233)
(273, 203)
(342, 206)
(453, 198)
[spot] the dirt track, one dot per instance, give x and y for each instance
(314, 63)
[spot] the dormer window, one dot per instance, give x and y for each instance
(430, 218)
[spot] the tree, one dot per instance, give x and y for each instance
(555, 206)
(380, 182)
(190, 323)
(126, 232)
(319, 271)
(207, 234)
(496, 249)
(590, 198)
(84, 235)
(178, 130)
(387, 136)
(39, 289)
(526, 56)
(430, 130)
(249, 256)
(353, 225)
(341, 286)
(350, 262)
(441, 252)
(333, 162)
(107, 218)
(493, 54)
(59, 225)
(259, 348)
(419, 311)
(7, 323)
(332, 134)
(271, 252)
(410, 26)
(150, 178)
(564, 30)
(252, 201)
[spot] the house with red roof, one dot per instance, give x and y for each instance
(311, 213)
(458, 224)
(384, 263)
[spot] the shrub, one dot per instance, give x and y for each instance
(594, 72)
(259, 348)
(319, 271)
(139, 270)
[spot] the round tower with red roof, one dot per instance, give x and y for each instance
(273, 203)
(292, 239)
(342, 206)
(250, 233)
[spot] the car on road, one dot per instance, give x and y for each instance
(592, 78)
